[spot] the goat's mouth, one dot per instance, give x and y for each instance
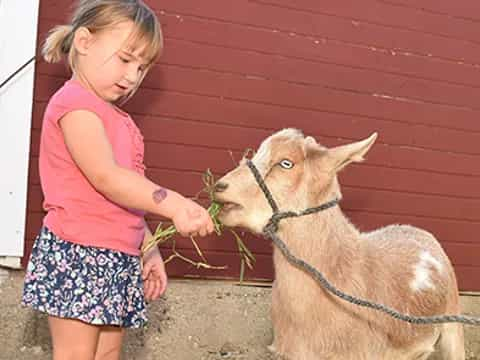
(228, 206)
(226, 203)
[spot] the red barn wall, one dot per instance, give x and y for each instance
(234, 71)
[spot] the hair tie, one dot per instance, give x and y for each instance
(67, 43)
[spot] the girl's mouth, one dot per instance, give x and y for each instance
(120, 87)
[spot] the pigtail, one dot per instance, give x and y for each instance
(58, 43)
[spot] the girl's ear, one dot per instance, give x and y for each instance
(82, 40)
(341, 156)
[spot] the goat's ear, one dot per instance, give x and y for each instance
(341, 156)
(313, 149)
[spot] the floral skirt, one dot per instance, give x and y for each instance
(95, 285)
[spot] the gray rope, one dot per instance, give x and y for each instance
(270, 232)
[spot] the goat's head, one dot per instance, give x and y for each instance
(299, 172)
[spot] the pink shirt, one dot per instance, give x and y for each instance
(76, 211)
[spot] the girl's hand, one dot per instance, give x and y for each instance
(154, 275)
(193, 220)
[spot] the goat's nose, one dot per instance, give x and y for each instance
(220, 186)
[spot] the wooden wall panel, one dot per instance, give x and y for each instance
(465, 10)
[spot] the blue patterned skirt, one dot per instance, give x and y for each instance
(95, 285)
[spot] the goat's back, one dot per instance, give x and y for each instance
(407, 269)
(412, 257)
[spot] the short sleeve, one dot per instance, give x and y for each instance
(73, 97)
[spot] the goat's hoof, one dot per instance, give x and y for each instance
(276, 354)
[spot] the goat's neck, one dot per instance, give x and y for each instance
(326, 238)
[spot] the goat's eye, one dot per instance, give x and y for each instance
(286, 164)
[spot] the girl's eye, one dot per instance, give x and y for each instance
(286, 164)
(124, 60)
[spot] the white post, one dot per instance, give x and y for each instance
(18, 35)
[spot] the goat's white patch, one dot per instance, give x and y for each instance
(262, 157)
(422, 272)
(289, 133)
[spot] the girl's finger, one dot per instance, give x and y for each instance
(156, 289)
(211, 227)
(146, 271)
(163, 285)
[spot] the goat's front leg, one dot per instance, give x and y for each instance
(283, 337)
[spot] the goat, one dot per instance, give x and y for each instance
(400, 266)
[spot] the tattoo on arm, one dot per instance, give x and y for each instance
(159, 195)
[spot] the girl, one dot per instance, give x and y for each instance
(84, 271)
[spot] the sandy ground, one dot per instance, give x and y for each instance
(196, 320)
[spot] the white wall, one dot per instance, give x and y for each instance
(18, 34)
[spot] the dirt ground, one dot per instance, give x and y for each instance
(196, 320)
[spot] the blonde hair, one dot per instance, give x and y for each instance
(97, 15)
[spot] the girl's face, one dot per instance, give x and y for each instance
(111, 65)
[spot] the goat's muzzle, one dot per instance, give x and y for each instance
(220, 187)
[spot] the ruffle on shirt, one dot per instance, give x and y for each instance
(138, 145)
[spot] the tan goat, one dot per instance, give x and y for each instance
(400, 266)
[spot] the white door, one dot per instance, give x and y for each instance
(18, 35)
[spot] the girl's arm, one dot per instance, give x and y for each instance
(153, 270)
(91, 150)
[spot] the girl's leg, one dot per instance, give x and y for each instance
(73, 339)
(109, 343)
